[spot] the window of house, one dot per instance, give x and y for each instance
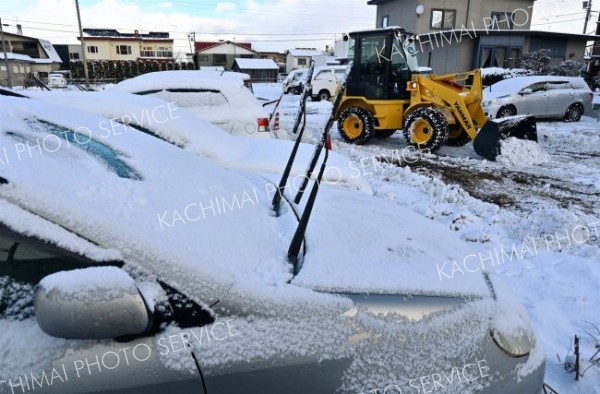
(302, 61)
(124, 49)
(92, 49)
(499, 56)
(443, 19)
(202, 58)
(74, 56)
(219, 59)
(502, 21)
(385, 21)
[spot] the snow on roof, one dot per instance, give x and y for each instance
(306, 52)
(50, 51)
(256, 64)
(514, 85)
(25, 58)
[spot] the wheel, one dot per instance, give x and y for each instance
(381, 134)
(574, 113)
(458, 137)
(507, 110)
(426, 128)
(324, 95)
(355, 125)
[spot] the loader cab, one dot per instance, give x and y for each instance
(384, 61)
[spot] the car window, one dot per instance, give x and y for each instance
(322, 75)
(555, 85)
(103, 153)
(23, 263)
(187, 98)
(339, 74)
(537, 87)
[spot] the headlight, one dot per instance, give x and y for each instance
(487, 103)
(516, 344)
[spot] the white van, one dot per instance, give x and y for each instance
(325, 80)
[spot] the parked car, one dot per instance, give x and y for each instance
(115, 278)
(552, 97)
(325, 80)
(294, 82)
(224, 101)
(57, 81)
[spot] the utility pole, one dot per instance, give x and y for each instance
(587, 5)
(8, 70)
(83, 57)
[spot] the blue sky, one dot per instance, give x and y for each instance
(268, 24)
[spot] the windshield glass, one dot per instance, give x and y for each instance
(409, 50)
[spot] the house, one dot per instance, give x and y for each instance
(277, 57)
(260, 70)
(111, 44)
(26, 55)
(463, 35)
(68, 53)
(221, 53)
(301, 58)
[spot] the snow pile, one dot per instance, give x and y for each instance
(505, 72)
(517, 152)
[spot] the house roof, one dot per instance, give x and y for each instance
(256, 64)
(26, 59)
(47, 47)
(305, 52)
(204, 45)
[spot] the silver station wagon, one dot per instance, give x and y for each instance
(551, 97)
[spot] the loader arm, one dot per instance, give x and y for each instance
(463, 103)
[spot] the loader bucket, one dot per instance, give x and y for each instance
(488, 140)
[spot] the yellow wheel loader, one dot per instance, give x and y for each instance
(388, 91)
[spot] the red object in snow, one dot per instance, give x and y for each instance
(276, 124)
(329, 144)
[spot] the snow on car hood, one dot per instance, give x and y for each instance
(349, 250)
(180, 127)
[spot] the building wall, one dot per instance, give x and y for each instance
(469, 13)
(107, 48)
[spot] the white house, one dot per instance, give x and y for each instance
(301, 57)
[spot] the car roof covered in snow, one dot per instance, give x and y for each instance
(182, 79)
(514, 85)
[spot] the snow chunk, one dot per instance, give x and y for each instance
(516, 152)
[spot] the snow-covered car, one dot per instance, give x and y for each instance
(225, 102)
(129, 264)
(181, 128)
(552, 97)
(294, 82)
(57, 81)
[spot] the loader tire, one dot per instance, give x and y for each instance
(458, 137)
(382, 134)
(426, 128)
(355, 125)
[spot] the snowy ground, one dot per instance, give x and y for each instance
(533, 216)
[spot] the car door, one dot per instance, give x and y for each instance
(34, 361)
(559, 96)
(323, 81)
(535, 102)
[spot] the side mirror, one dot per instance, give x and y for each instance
(526, 91)
(90, 303)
